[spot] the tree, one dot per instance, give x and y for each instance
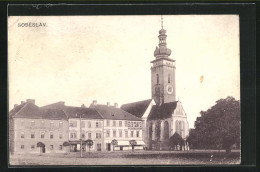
(66, 144)
(218, 127)
(41, 145)
(114, 143)
(89, 143)
(175, 140)
(133, 143)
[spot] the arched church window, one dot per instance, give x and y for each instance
(166, 130)
(177, 126)
(169, 78)
(157, 78)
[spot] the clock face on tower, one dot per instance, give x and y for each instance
(169, 89)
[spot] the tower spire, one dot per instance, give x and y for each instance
(162, 21)
(162, 50)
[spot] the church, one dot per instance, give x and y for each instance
(162, 115)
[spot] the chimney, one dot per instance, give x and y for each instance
(116, 105)
(94, 102)
(22, 102)
(61, 103)
(30, 101)
(108, 104)
(15, 105)
(83, 106)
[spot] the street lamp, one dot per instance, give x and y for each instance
(80, 134)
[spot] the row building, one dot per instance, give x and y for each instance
(151, 123)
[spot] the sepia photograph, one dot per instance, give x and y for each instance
(95, 90)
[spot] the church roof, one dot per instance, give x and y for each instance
(162, 112)
(30, 110)
(136, 108)
(111, 112)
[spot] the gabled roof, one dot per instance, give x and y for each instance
(111, 112)
(74, 112)
(30, 110)
(162, 112)
(137, 108)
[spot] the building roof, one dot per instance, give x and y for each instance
(163, 58)
(74, 112)
(111, 112)
(162, 112)
(136, 108)
(30, 110)
(16, 109)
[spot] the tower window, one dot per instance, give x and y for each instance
(157, 77)
(169, 78)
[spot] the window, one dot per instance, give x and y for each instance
(131, 124)
(60, 147)
(73, 135)
(108, 133)
(137, 133)
(126, 133)
(120, 133)
(73, 123)
(89, 135)
(82, 124)
(169, 78)
(52, 125)
(98, 135)
(51, 147)
(51, 135)
(126, 123)
(97, 125)
(42, 135)
(22, 135)
(89, 124)
(135, 124)
(22, 146)
(132, 133)
(120, 123)
(83, 135)
(32, 135)
(157, 78)
(60, 124)
(114, 123)
(108, 123)
(114, 133)
(32, 146)
(32, 123)
(60, 135)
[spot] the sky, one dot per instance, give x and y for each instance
(78, 59)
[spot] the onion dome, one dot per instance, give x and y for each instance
(162, 31)
(162, 51)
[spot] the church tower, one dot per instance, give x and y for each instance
(163, 72)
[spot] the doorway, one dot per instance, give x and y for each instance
(43, 149)
(98, 147)
(121, 148)
(108, 147)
